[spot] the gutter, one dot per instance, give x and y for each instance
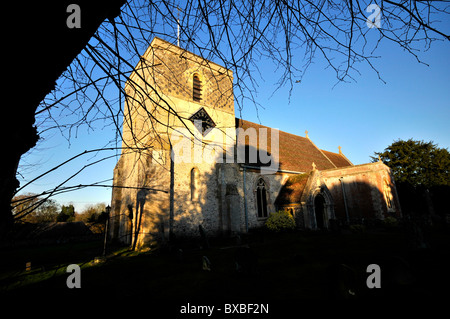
(245, 204)
(278, 171)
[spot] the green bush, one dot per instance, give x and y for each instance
(357, 228)
(280, 221)
(390, 221)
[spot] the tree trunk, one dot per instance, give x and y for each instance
(31, 77)
(19, 140)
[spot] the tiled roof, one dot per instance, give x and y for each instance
(296, 153)
(292, 190)
(338, 159)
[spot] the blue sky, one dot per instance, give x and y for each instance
(363, 117)
(368, 115)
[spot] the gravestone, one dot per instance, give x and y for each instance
(334, 225)
(298, 259)
(205, 242)
(342, 280)
(246, 261)
(238, 240)
(180, 254)
(398, 279)
(206, 264)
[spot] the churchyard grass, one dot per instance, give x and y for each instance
(289, 265)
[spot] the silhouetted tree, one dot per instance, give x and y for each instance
(91, 213)
(422, 173)
(67, 214)
(30, 208)
(58, 46)
(418, 163)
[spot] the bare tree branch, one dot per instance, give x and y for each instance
(240, 35)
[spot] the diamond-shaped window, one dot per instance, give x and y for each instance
(203, 118)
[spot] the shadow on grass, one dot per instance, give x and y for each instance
(27, 265)
(290, 266)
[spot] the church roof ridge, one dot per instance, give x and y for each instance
(321, 152)
(339, 159)
(297, 153)
(272, 128)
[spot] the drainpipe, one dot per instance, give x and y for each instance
(345, 200)
(245, 204)
(171, 194)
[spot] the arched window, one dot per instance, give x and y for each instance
(194, 182)
(196, 88)
(388, 195)
(261, 198)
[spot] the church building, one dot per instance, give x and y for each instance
(187, 161)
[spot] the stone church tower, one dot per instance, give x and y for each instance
(181, 104)
(170, 92)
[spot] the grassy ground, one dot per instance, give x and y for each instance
(290, 266)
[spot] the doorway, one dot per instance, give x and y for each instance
(319, 211)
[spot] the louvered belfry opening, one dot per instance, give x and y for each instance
(197, 88)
